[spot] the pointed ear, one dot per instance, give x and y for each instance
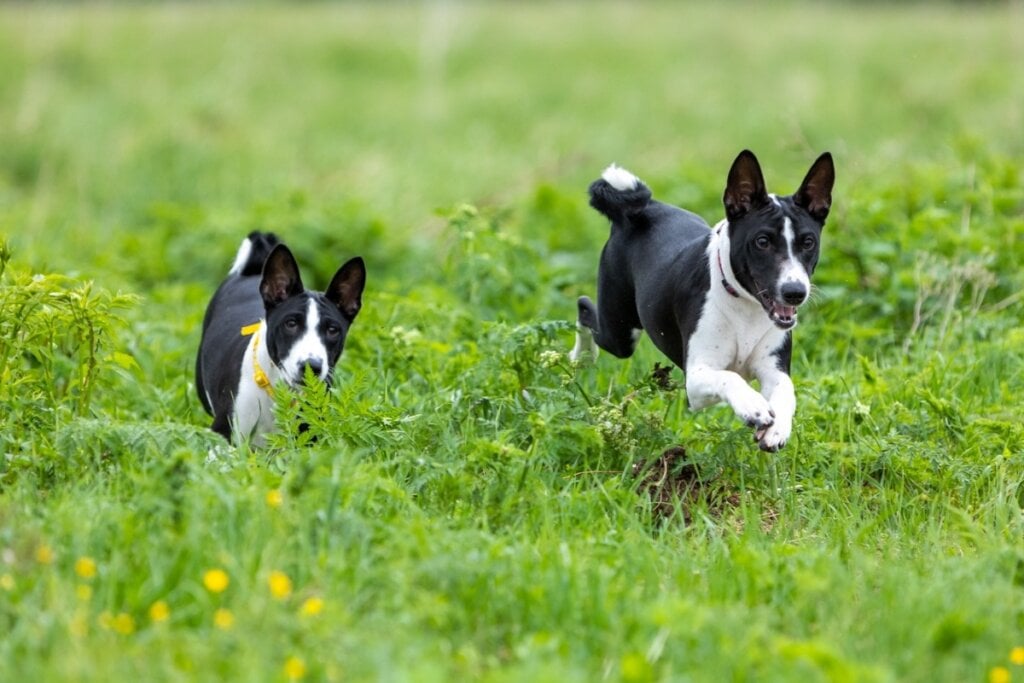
(280, 277)
(815, 193)
(346, 288)
(745, 189)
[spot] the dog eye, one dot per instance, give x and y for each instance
(291, 324)
(808, 243)
(762, 241)
(333, 331)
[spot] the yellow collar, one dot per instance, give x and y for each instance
(258, 375)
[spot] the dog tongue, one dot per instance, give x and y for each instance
(784, 311)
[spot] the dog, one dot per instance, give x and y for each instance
(720, 303)
(263, 327)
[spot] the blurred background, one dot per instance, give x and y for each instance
(134, 127)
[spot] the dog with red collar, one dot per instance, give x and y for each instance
(719, 302)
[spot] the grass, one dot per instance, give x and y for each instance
(471, 509)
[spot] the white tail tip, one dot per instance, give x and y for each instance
(242, 257)
(619, 178)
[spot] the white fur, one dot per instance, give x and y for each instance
(793, 270)
(735, 342)
(585, 349)
(254, 406)
(242, 257)
(619, 178)
(309, 347)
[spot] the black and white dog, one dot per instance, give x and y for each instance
(262, 326)
(721, 302)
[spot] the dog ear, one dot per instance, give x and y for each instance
(346, 288)
(744, 191)
(815, 193)
(280, 277)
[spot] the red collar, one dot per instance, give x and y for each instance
(725, 282)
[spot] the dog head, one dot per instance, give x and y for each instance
(305, 328)
(774, 241)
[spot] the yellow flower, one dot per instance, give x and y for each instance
(275, 498)
(159, 611)
(312, 607)
(7, 582)
(294, 668)
(216, 580)
(85, 567)
(280, 585)
(124, 624)
(44, 554)
(84, 592)
(1017, 655)
(223, 619)
(999, 674)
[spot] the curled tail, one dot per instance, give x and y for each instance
(619, 194)
(254, 250)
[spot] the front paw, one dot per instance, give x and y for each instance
(774, 437)
(754, 410)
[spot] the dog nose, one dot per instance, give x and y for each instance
(314, 364)
(793, 293)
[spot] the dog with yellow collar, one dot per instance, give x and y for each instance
(263, 327)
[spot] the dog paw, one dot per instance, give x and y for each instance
(754, 410)
(773, 438)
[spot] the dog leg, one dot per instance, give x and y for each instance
(616, 330)
(706, 386)
(777, 387)
(585, 350)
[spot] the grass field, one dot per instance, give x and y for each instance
(475, 507)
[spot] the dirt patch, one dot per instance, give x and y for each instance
(674, 484)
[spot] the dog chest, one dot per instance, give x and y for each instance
(728, 336)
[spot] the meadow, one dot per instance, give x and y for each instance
(474, 506)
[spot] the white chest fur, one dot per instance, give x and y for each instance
(254, 405)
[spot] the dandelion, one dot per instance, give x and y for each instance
(124, 624)
(84, 592)
(7, 582)
(216, 580)
(44, 554)
(1017, 655)
(223, 619)
(280, 585)
(85, 567)
(275, 498)
(999, 674)
(294, 668)
(159, 612)
(312, 606)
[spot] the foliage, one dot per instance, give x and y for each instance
(465, 503)
(55, 352)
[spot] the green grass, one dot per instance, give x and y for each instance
(470, 509)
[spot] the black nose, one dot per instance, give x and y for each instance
(314, 364)
(793, 293)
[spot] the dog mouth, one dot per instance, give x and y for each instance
(783, 316)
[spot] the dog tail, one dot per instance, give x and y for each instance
(619, 194)
(255, 249)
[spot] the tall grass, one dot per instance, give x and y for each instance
(474, 506)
